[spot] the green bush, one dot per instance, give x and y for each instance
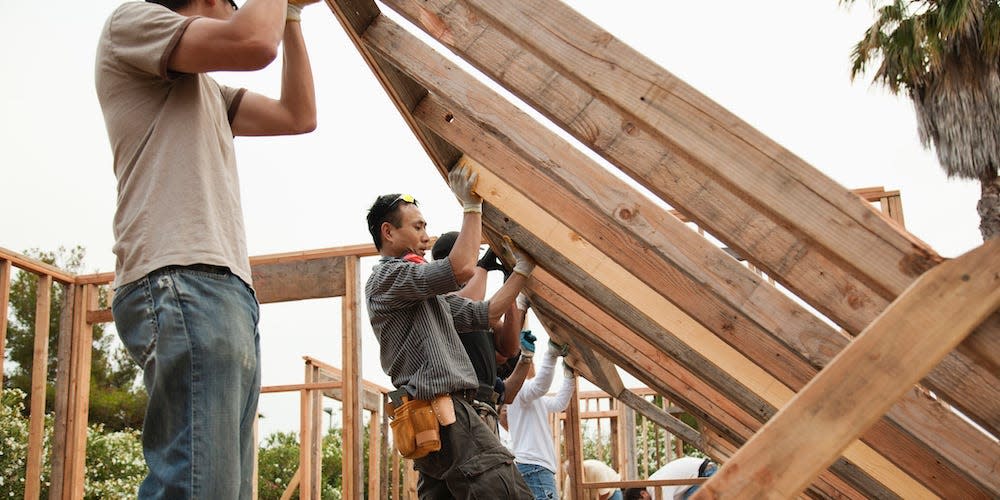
(115, 466)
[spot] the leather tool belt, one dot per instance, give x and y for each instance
(416, 423)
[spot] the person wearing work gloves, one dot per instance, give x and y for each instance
(417, 321)
(178, 223)
(528, 418)
(485, 348)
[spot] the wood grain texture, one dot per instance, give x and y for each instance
(818, 342)
(929, 319)
(840, 256)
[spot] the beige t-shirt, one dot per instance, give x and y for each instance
(178, 188)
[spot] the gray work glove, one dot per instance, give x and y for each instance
(462, 180)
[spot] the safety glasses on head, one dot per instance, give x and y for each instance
(403, 197)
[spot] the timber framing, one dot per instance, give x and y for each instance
(894, 391)
(625, 256)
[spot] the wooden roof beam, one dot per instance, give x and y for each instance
(430, 70)
(724, 425)
(850, 394)
(746, 190)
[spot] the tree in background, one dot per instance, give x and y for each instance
(279, 459)
(944, 55)
(116, 398)
(114, 463)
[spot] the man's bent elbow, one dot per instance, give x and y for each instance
(259, 54)
(305, 125)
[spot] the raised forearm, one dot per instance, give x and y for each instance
(504, 297)
(508, 332)
(298, 92)
(513, 383)
(466, 249)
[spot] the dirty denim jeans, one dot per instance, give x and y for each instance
(193, 330)
(472, 464)
(541, 480)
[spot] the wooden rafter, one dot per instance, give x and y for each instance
(929, 319)
(745, 189)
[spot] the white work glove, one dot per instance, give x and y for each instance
(521, 301)
(462, 180)
(568, 370)
(294, 12)
(523, 263)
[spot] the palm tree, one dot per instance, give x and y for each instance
(944, 54)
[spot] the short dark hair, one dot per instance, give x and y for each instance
(173, 5)
(442, 247)
(633, 493)
(385, 209)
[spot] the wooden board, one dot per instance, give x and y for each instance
(569, 187)
(911, 336)
(299, 280)
(732, 426)
(839, 255)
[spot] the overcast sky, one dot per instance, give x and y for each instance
(783, 66)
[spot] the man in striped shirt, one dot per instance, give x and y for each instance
(417, 322)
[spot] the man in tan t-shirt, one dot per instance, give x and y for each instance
(184, 306)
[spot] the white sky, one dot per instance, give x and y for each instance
(781, 65)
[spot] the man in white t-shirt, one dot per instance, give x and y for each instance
(184, 307)
(528, 423)
(681, 468)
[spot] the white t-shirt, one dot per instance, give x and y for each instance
(170, 134)
(681, 468)
(528, 416)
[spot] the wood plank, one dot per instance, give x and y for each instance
(305, 437)
(573, 435)
(299, 280)
(61, 403)
(35, 266)
(39, 376)
(354, 17)
(837, 256)
(83, 340)
(725, 425)
(5, 276)
(375, 459)
(929, 319)
(316, 445)
(309, 386)
(816, 341)
(353, 480)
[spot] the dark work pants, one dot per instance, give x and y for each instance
(472, 464)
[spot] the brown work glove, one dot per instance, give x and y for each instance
(462, 180)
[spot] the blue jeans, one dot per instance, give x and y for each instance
(541, 481)
(193, 330)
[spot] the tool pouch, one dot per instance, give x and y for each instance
(415, 429)
(444, 409)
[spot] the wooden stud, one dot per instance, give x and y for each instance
(84, 346)
(374, 453)
(316, 446)
(910, 337)
(574, 446)
(62, 403)
(39, 367)
(351, 348)
(305, 438)
(5, 276)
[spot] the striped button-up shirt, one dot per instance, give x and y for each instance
(417, 324)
